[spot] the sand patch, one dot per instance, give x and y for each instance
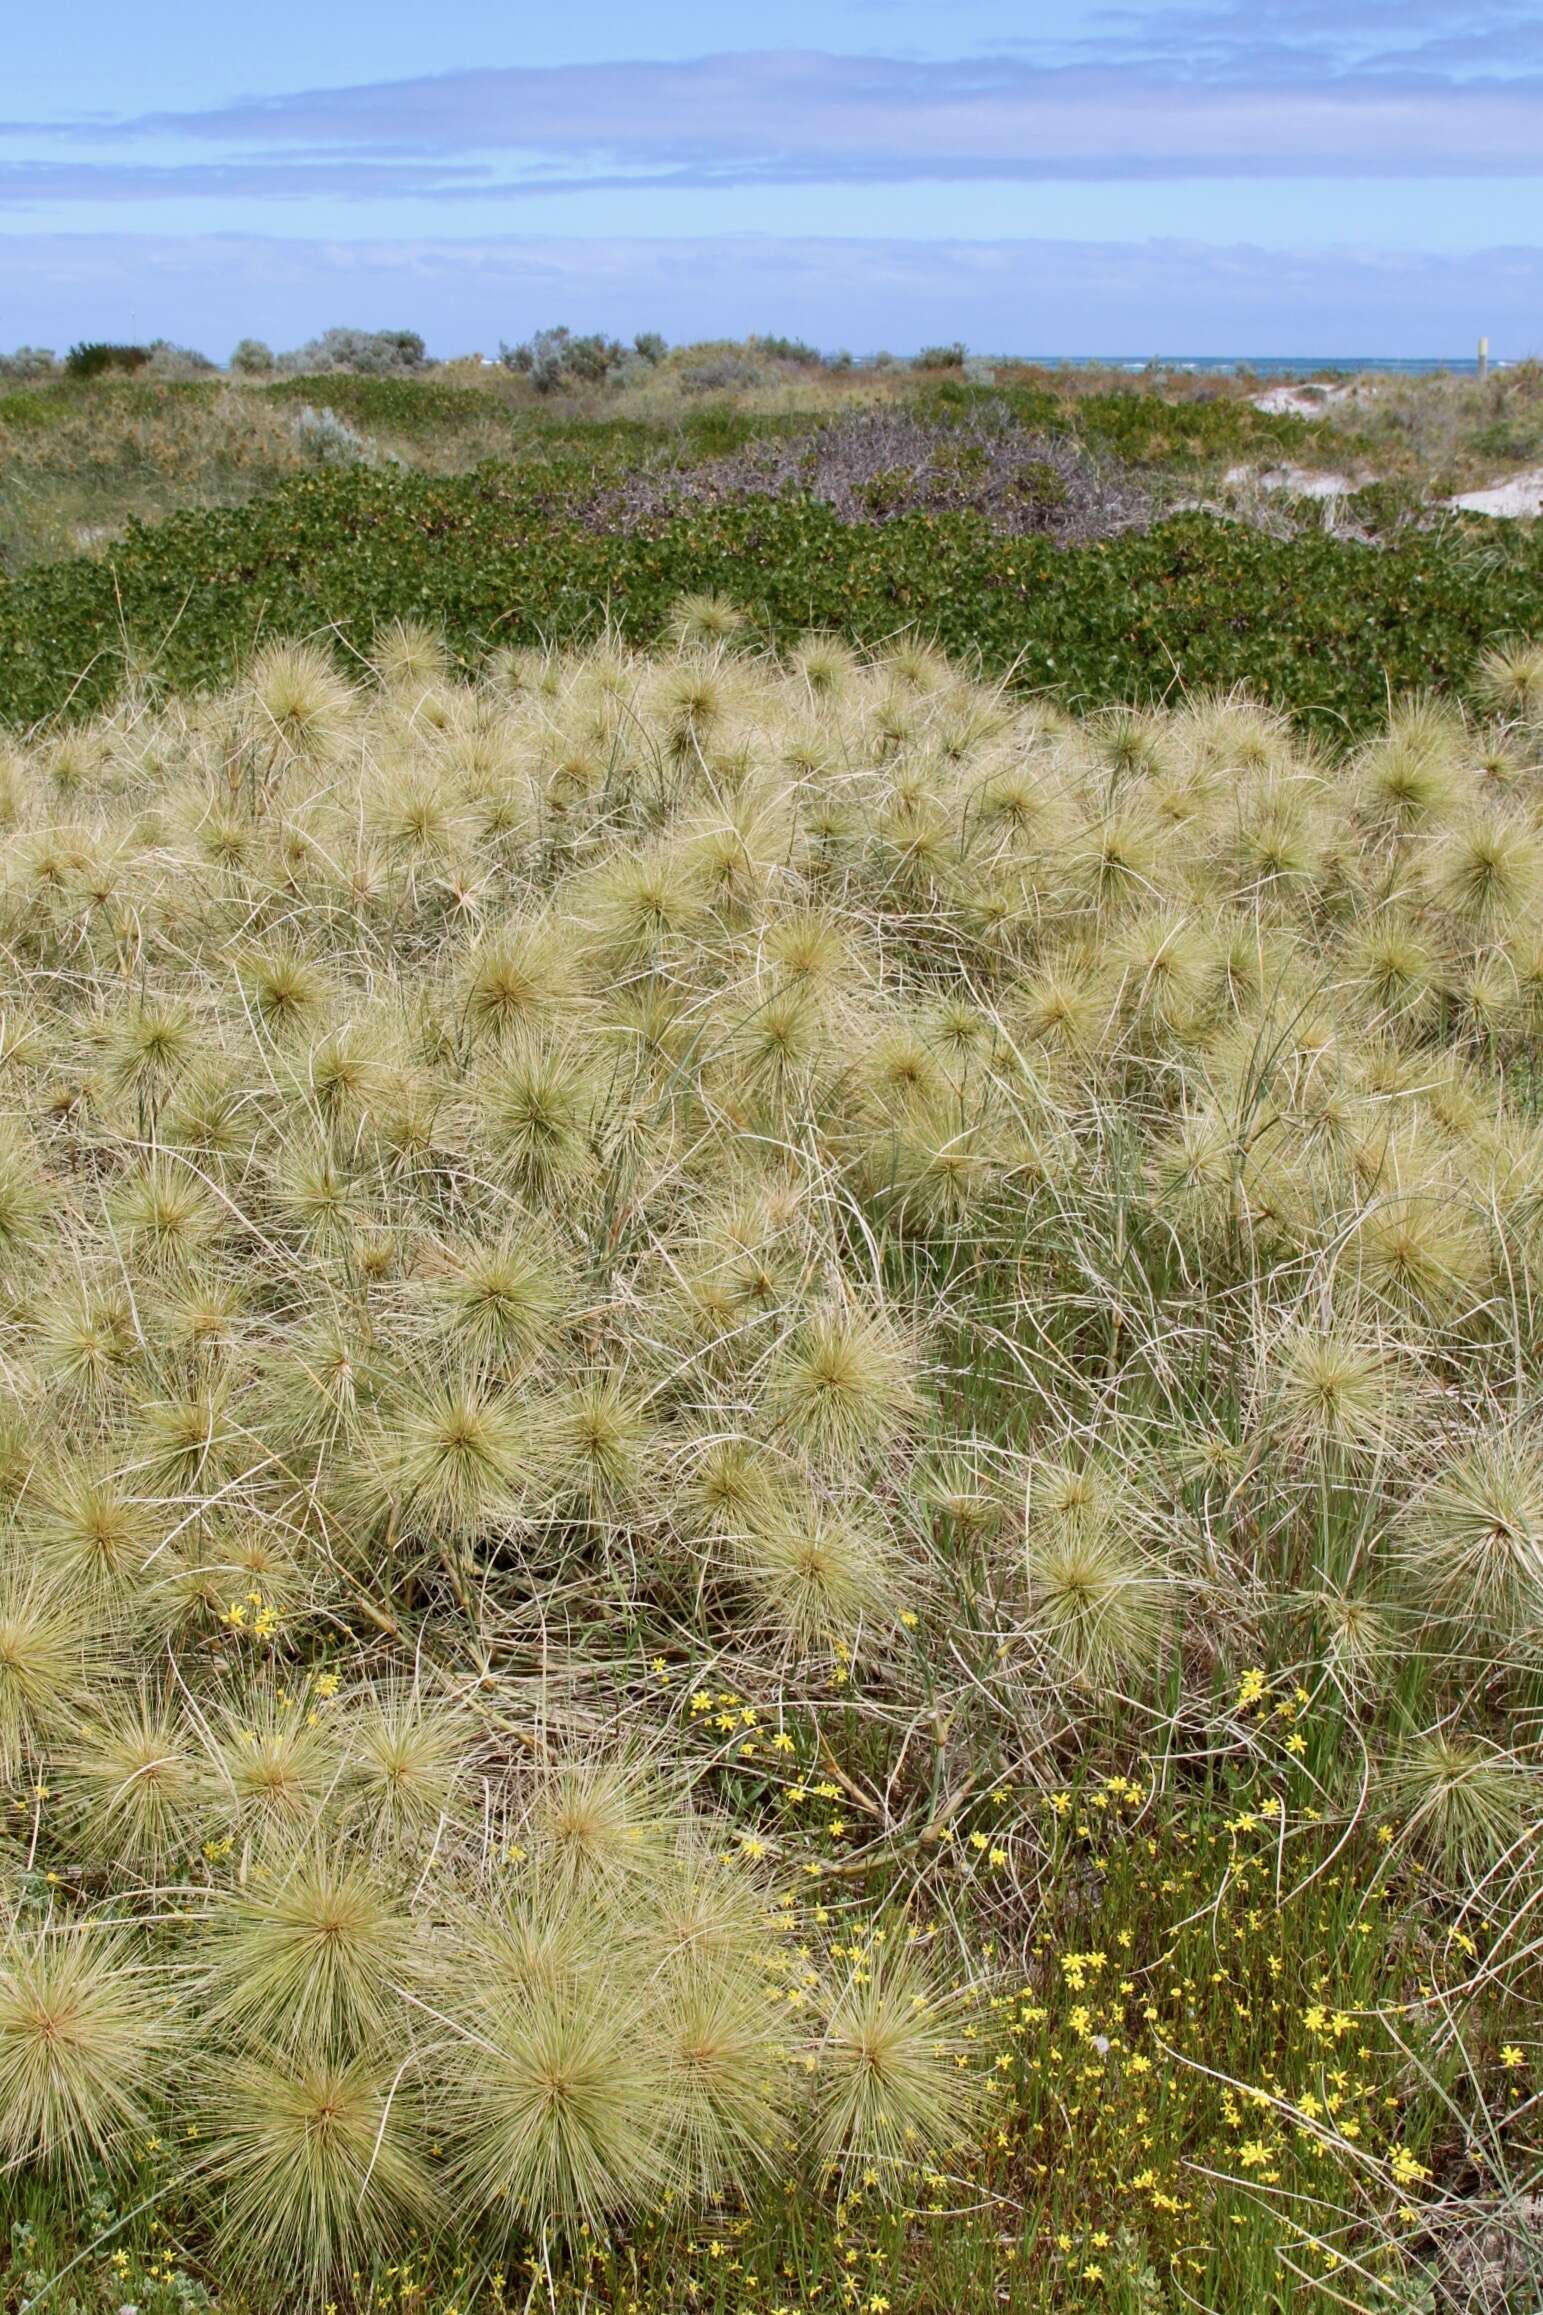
(1302, 401)
(1519, 499)
(1299, 481)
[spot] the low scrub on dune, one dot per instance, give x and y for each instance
(545, 553)
(773, 1490)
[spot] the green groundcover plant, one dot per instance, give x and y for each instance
(1320, 624)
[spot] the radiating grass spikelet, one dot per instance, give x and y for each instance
(82, 2039)
(889, 2088)
(314, 2162)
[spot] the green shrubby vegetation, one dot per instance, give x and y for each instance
(772, 1485)
(1321, 624)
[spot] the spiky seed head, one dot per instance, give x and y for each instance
(1490, 998)
(641, 908)
(596, 1439)
(540, 1109)
(150, 1044)
(204, 1117)
(406, 1757)
(1510, 679)
(727, 2090)
(271, 1766)
(889, 2086)
(1359, 1635)
(502, 1300)
(314, 1200)
(163, 1215)
(1393, 962)
(1277, 849)
(958, 1489)
(285, 988)
(1421, 1252)
(92, 1528)
(934, 1165)
(811, 948)
(702, 620)
(845, 1388)
(730, 1488)
(520, 980)
(694, 700)
(1409, 775)
(81, 2037)
(445, 1459)
(1488, 873)
(301, 700)
(317, 2163)
(1061, 1007)
(594, 1822)
(132, 1783)
(1473, 1547)
(781, 1035)
(1113, 863)
(1097, 1599)
(1337, 1391)
(918, 665)
(559, 2108)
(825, 663)
(818, 1576)
(409, 656)
(42, 1663)
(1465, 1802)
(310, 1957)
(899, 1065)
(189, 1443)
(341, 1075)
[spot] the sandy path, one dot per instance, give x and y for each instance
(1519, 498)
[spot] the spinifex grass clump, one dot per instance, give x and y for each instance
(661, 1318)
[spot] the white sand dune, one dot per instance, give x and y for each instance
(1300, 481)
(1301, 401)
(1519, 498)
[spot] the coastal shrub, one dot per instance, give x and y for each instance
(553, 358)
(250, 358)
(368, 353)
(94, 358)
(27, 364)
(1321, 625)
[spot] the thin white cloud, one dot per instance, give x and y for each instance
(804, 117)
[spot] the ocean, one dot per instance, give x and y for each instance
(1262, 365)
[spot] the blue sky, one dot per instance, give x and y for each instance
(1290, 176)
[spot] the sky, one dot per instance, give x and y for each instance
(1296, 177)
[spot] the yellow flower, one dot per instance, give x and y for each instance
(1511, 2055)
